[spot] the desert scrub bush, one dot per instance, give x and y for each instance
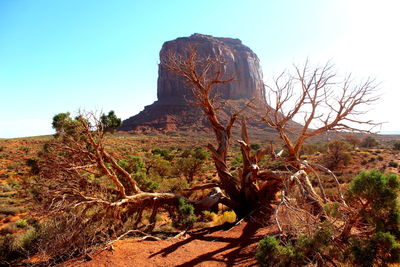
(189, 167)
(191, 163)
(208, 216)
(174, 185)
(22, 223)
(157, 165)
(337, 154)
(369, 237)
(271, 253)
(313, 148)
(200, 153)
(378, 192)
(132, 164)
(136, 166)
(353, 140)
(276, 252)
(146, 182)
(383, 168)
(379, 249)
(186, 215)
(24, 149)
(66, 235)
(163, 152)
(14, 247)
(255, 146)
(219, 219)
(369, 142)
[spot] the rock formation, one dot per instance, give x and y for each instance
(240, 61)
(172, 112)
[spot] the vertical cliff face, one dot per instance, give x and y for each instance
(172, 112)
(241, 63)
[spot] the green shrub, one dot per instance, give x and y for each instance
(189, 167)
(132, 164)
(110, 122)
(299, 252)
(380, 191)
(255, 146)
(271, 253)
(238, 160)
(165, 153)
(373, 196)
(145, 182)
(174, 185)
(187, 217)
(379, 249)
(200, 153)
(22, 223)
(159, 166)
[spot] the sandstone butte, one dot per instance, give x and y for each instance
(172, 111)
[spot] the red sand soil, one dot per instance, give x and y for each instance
(206, 247)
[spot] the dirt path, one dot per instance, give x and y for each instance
(207, 247)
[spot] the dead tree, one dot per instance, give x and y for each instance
(203, 76)
(322, 110)
(83, 184)
(322, 103)
(319, 102)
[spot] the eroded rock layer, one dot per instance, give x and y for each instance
(241, 63)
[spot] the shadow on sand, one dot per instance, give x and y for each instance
(236, 256)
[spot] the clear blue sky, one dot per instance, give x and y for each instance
(65, 55)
